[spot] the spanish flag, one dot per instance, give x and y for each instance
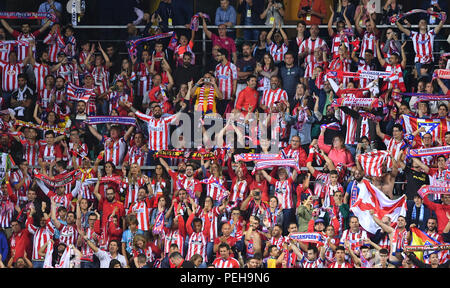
(420, 238)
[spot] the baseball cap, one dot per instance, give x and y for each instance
(319, 220)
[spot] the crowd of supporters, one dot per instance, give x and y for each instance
(84, 193)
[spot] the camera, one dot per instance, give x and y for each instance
(207, 80)
(256, 193)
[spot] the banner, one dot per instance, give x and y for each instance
(132, 44)
(265, 164)
(59, 180)
(361, 74)
(397, 17)
(75, 93)
(357, 102)
(420, 238)
(372, 198)
(441, 150)
(428, 189)
(307, 237)
(28, 15)
(94, 120)
(159, 224)
(442, 73)
(423, 97)
(41, 127)
(176, 154)
(248, 157)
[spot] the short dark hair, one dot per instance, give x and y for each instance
(224, 245)
(114, 262)
(271, 248)
(223, 51)
(49, 132)
(23, 76)
(334, 172)
(383, 251)
(398, 126)
(250, 77)
(369, 51)
(314, 248)
(340, 248)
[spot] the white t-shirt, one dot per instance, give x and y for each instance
(105, 258)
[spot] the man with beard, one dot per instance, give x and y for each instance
(273, 95)
(248, 97)
(352, 192)
(108, 206)
(24, 35)
(398, 237)
(68, 232)
(186, 72)
(290, 74)
(114, 145)
(177, 177)
(22, 99)
(158, 128)
(245, 67)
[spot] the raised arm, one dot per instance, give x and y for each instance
(7, 27)
(403, 63)
(105, 56)
(419, 163)
(403, 29)
(330, 22)
(95, 133)
(205, 28)
(379, 54)
(441, 23)
(378, 130)
(266, 176)
(386, 228)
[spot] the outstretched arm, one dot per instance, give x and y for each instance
(403, 29)
(441, 24)
(205, 28)
(7, 27)
(386, 228)
(95, 133)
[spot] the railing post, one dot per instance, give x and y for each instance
(203, 47)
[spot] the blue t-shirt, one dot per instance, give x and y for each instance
(128, 236)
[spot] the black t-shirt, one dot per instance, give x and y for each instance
(245, 66)
(414, 180)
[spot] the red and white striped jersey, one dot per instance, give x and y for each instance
(131, 190)
(5, 49)
(50, 153)
(31, 151)
(351, 124)
(396, 80)
(399, 240)
(283, 192)
(393, 147)
(66, 71)
(213, 190)
(225, 75)
(142, 211)
(355, 239)
(6, 213)
(144, 77)
(44, 97)
(322, 179)
(368, 42)
(21, 194)
(158, 130)
(271, 96)
(363, 66)
(329, 253)
(423, 46)
(53, 46)
(115, 97)
(114, 150)
(213, 216)
(277, 52)
(311, 45)
(239, 191)
(384, 242)
(278, 241)
(87, 254)
(82, 58)
(101, 78)
(80, 152)
(197, 245)
(41, 236)
(318, 263)
(343, 265)
(173, 237)
(438, 179)
(230, 262)
(9, 75)
(22, 51)
(40, 71)
(337, 40)
(158, 186)
(338, 64)
(68, 234)
(136, 155)
(87, 191)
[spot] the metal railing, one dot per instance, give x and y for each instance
(204, 39)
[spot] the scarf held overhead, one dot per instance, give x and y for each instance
(177, 154)
(59, 180)
(94, 120)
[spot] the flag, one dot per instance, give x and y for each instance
(173, 42)
(75, 93)
(159, 223)
(371, 198)
(420, 238)
(6, 162)
(372, 162)
(436, 127)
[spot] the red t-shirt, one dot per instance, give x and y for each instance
(226, 43)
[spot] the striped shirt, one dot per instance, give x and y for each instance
(271, 96)
(230, 262)
(226, 75)
(423, 46)
(158, 130)
(283, 192)
(40, 72)
(142, 211)
(9, 75)
(114, 150)
(368, 42)
(277, 52)
(41, 236)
